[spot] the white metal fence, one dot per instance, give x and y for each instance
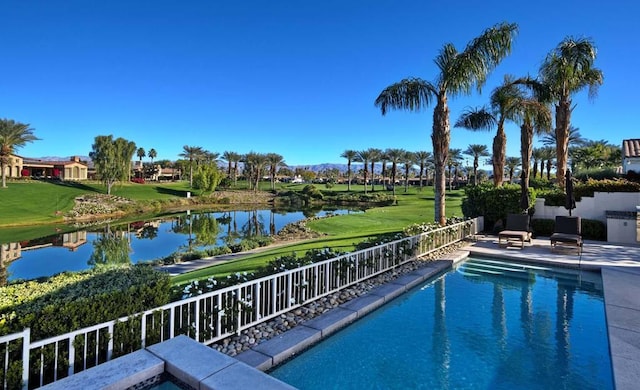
(210, 317)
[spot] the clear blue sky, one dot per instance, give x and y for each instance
(297, 78)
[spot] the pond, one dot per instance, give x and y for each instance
(144, 240)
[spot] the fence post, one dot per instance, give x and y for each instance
(26, 343)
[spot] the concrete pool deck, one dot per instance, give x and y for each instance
(619, 266)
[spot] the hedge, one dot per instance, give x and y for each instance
(71, 301)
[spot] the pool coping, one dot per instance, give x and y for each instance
(620, 273)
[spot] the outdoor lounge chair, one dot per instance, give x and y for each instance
(516, 230)
(567, 233)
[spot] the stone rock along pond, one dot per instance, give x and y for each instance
(144, 240)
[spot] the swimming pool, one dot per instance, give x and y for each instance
(487, 324)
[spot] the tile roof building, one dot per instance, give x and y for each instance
(631, 155)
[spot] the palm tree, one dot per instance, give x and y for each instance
(191, 153)
(13, 135)
(374, 157)
(511, 164)
(351, 156)
(275, 161)
(575, 138)
(407, 161)
(254, 163)
(536, 156)
(566, 70)
(364, 156)
(395, 157)
(502, 100)
(548, 154)
(534, 115)
(232, 158)
(422, 158)
(476, 151)
(152, 154)
(141, 153)
(455, 156)
(459, 73)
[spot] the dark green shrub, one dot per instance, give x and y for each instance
(596, 174)
(494, 203)
(591, 229)
(72, 301)
(542, 227)
(594, 230)
(312, 192)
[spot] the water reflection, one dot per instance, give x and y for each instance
(146, 239)
(110, 249)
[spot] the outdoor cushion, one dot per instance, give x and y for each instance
(567, 231)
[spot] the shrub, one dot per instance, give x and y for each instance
(591, 229)
(72, 301)
(596, 174)
(494, 203)
(542, 227)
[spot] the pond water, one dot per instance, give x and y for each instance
(144, 240)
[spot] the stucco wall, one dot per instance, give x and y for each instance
(592, 208)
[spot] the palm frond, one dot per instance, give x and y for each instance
(476, 119)
(411, 94)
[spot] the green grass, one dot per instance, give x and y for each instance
(40, 202)
(343, 232)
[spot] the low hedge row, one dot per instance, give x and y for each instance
(72, 301)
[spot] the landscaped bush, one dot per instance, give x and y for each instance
(378, 198)
(596, 174)
(72, 301)
(494, 203)
(591, 229)
(557, 197)
(542, 227)
(594, 230)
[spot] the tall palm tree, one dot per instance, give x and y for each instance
(534, 115)
(395, 157)
(364, 156)
(254, 164)
(351, 156)
(141, 154)
(568, 69)
(383, 162)
(511, 164)
(191, 153)
(152, 154)
(455, 156)
(13, 135)
(548, 155)
(536, 156)
(232, 159)
(459, 73)
(275, 161)
(502, 100)
(476, 151)
(575, 138)
(374, 157)
(407, 160)
(422, 158)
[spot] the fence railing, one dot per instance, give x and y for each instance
(213, 316)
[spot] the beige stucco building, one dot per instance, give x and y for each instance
(73, 169)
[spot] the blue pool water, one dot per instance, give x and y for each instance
(485, 325)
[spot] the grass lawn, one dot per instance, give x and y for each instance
(40, 202)
(344, 231)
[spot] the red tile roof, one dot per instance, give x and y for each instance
(631, 148)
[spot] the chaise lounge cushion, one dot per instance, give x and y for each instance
(567, 231)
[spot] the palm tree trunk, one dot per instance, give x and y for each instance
(499, 155)
(4, 174)
(563, 117)
(475, 170)
(440, 139)
(526, 148)
(349, 176)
